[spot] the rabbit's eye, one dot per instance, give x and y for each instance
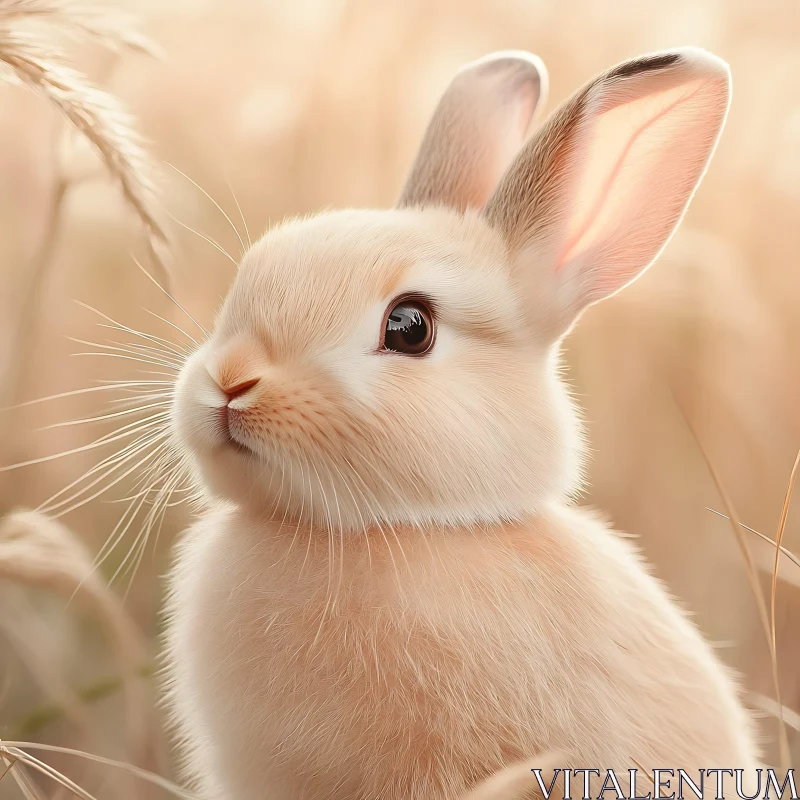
(409, 328)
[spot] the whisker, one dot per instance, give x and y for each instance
(219, 207)
(244, 221)
(149, 489)
(101, 417)
(121, 326)
(170, 296)
(154, 517)
(205, 238)
(126, 358)
(170, 375)
(140, 384)
(157, 513)
(142, 351)
(113, 459)
(330, 524)
(51, 510)
(132, 349)
(118, 534)
(154, 469)
(107, 439)
(121, 528)
(107, 387)
(142, 396)
(177, 327)
(151, 352)
(157, 346)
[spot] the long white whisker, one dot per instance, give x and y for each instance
(219, 207)
(103, 489)
(99, 442)
(118, 534)
(244, 221)
(170, 353)
(130, 514)
(199, 326)
(107, 467)
(214, 244)
(117, 325)
(148, 489)
(107, 387)
(140, 542)
(101, 417)
(153, 470)
(109, 463)
(127, 358)
(173, 325)
(159, 357)
(143, 396)
(141, 386)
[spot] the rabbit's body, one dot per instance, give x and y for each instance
(392, 668)
(394, 599)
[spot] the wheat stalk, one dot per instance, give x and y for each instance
(112, 29)
(40, 552)
(35, 61)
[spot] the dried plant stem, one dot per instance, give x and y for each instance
(9, 763)
(44, 769)
(21, 358)
(778, 539)
(9, 749)
(16, 372)
(28, 788)
(752, 576)
(788, 553)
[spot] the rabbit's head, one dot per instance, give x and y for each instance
(400, 367)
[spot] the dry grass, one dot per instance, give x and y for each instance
(767, 619)
(321, 104)
(34, 549)
(32, 59)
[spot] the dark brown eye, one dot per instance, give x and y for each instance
(409, 328)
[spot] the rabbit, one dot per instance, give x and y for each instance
(392, 593)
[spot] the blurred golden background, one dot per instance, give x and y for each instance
(288, 108)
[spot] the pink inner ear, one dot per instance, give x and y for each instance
(637, 161)
(605, 184)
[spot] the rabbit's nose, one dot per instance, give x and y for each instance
(237, 390)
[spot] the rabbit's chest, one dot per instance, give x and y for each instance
(370, 682)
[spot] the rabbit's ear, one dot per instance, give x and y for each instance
(478, 127)
(594, 196)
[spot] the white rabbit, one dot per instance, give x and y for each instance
(391, 595)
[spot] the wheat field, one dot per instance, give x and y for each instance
(232, 115)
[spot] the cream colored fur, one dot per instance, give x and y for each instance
(390, 595)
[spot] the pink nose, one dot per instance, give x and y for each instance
(239, 389)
